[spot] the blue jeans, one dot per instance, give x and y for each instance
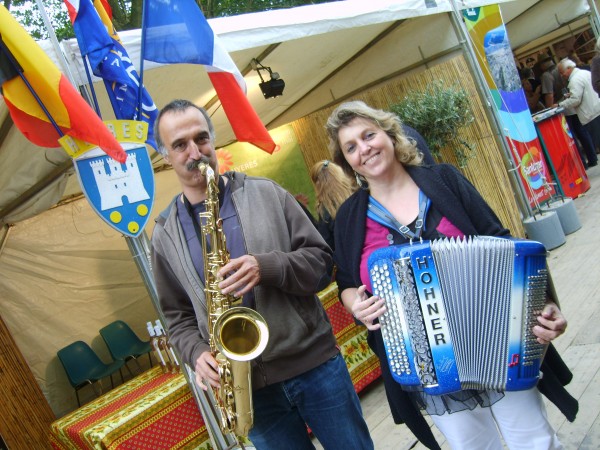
(322, 398)
(593, 128)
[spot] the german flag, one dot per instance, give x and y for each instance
(42, 102)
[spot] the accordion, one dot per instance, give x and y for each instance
(460, 312)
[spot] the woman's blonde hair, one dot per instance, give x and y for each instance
(405, 149)
(332, 187)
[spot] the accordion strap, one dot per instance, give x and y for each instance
(377, 212)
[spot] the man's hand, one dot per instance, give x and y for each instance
(552, 324)
(207, 371)
(239, 275)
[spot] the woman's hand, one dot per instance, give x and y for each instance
(367, 309)
(552, 324)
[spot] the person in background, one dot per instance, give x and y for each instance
(532, 96)
(332, 188)
(422, 202)
(585, 101)
(552, 83)
(578, 62)
(529, 74)
(554, 89)
(278, 262)
(595, 68)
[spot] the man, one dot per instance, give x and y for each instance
(278, 261)
(553, 91)
(584, 100)
(551, 82)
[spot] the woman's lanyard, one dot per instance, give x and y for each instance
(377, 212)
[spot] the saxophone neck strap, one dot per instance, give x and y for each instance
(195, 217)
(377, 212)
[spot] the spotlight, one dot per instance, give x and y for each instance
(272, 87)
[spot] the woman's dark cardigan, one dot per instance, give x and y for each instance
(456, 199)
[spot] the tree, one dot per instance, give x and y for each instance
(27, 14)
(127, 14)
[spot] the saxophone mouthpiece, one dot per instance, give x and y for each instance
(202, 164)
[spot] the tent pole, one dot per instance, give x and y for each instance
(52, 35)
(594, 18)
(491, 113)
(140, 249)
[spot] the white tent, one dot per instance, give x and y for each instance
(53, 284)
(325, 53)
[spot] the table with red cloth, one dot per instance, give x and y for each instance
(157, 410)
(352, 339)
(153, 410)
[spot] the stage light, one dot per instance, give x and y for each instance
(274, 86)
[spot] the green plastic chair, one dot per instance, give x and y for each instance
(84, 367)
(123, 344)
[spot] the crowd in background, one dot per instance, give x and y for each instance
(574, 86)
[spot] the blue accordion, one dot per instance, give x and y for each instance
(460, 312)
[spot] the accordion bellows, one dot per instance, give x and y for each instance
(460, 312)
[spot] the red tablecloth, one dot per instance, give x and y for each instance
(151, 411)
(352, 339)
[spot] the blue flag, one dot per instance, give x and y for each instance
(110, 61)
(177, 32)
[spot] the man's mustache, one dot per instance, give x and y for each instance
(193, 165)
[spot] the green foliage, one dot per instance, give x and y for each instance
(26, 12)
(437, 113)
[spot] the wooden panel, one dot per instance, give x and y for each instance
(26, 416)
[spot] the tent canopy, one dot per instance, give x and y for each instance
(325, 54)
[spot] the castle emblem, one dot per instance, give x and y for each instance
(122, 194)
(115, 183)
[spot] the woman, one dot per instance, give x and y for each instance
(332, 188)
(370, 145)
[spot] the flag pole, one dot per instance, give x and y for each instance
(142, 46)
(64, 63)
(95, 102)
(52, 35)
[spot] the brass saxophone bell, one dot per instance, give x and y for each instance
(241, 334)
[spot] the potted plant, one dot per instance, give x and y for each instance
(437, 113)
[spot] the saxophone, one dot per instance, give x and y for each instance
(237, 334)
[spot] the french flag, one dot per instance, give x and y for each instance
(176, 31)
